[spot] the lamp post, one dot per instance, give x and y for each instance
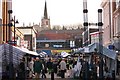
(15, 21)
(31, 39)
(85, 16)
(100, 41)
(10, 48)
(9, 24)
(117, 49)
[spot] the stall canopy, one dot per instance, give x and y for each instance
(80, 50)
(27, 51)
(11, 54)
(42, 54)
(47, 51)
(91, 48)
(64, 54)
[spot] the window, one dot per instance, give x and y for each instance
(46, 22)
(117, 3)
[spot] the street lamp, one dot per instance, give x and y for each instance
(15, 21)
(9, 24)
(31, 48)
(117, 49)
(100, 24)
(10, 48)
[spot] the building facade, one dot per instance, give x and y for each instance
(19, 37)
(6, 5)
(107, 20)
(87, 36)
(116, 24)
(111, 19)
(94, 37)
(29, 40)
(0, 30)
(111, 34)
(59, 40)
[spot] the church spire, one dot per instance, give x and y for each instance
(45, 11)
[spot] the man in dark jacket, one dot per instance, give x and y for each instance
(37, 68)
(44, 68)
(50, 66)
(21, 71)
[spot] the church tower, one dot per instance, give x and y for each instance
(45, 21)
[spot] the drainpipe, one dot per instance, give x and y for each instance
(110, 24)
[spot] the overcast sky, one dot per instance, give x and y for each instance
(61, 12)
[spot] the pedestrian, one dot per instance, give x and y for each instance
(21, 70)
(55, 64)
(70, 72)
(68, 65)
(107, 74)
(30, 65)
(77, 69)
(118, 67)
(43, 69)
(50, 66)
(11, 71)
(63, 68)
(74, 63)
(37, 68)
(85, 70)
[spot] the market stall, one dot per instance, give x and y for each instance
(11, 55)
(94, 52)
(95, 46)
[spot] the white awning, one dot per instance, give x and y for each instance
(64, 54)
(27, 51)
(42, 54)
(32, 53)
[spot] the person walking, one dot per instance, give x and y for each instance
(21, 71)
(30, 65)
(85, 70)
(11, 71)
(63, 68)
(55, 64)
(37, 68)
(118, 69)
(43, 68)
(50, 66)
(77, 69)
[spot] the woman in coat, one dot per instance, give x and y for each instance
(37, 68)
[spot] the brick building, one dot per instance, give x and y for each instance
(4, 30)
(29, 40)
(59, 40)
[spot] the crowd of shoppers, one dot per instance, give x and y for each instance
(39, 68)
(42, 67)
